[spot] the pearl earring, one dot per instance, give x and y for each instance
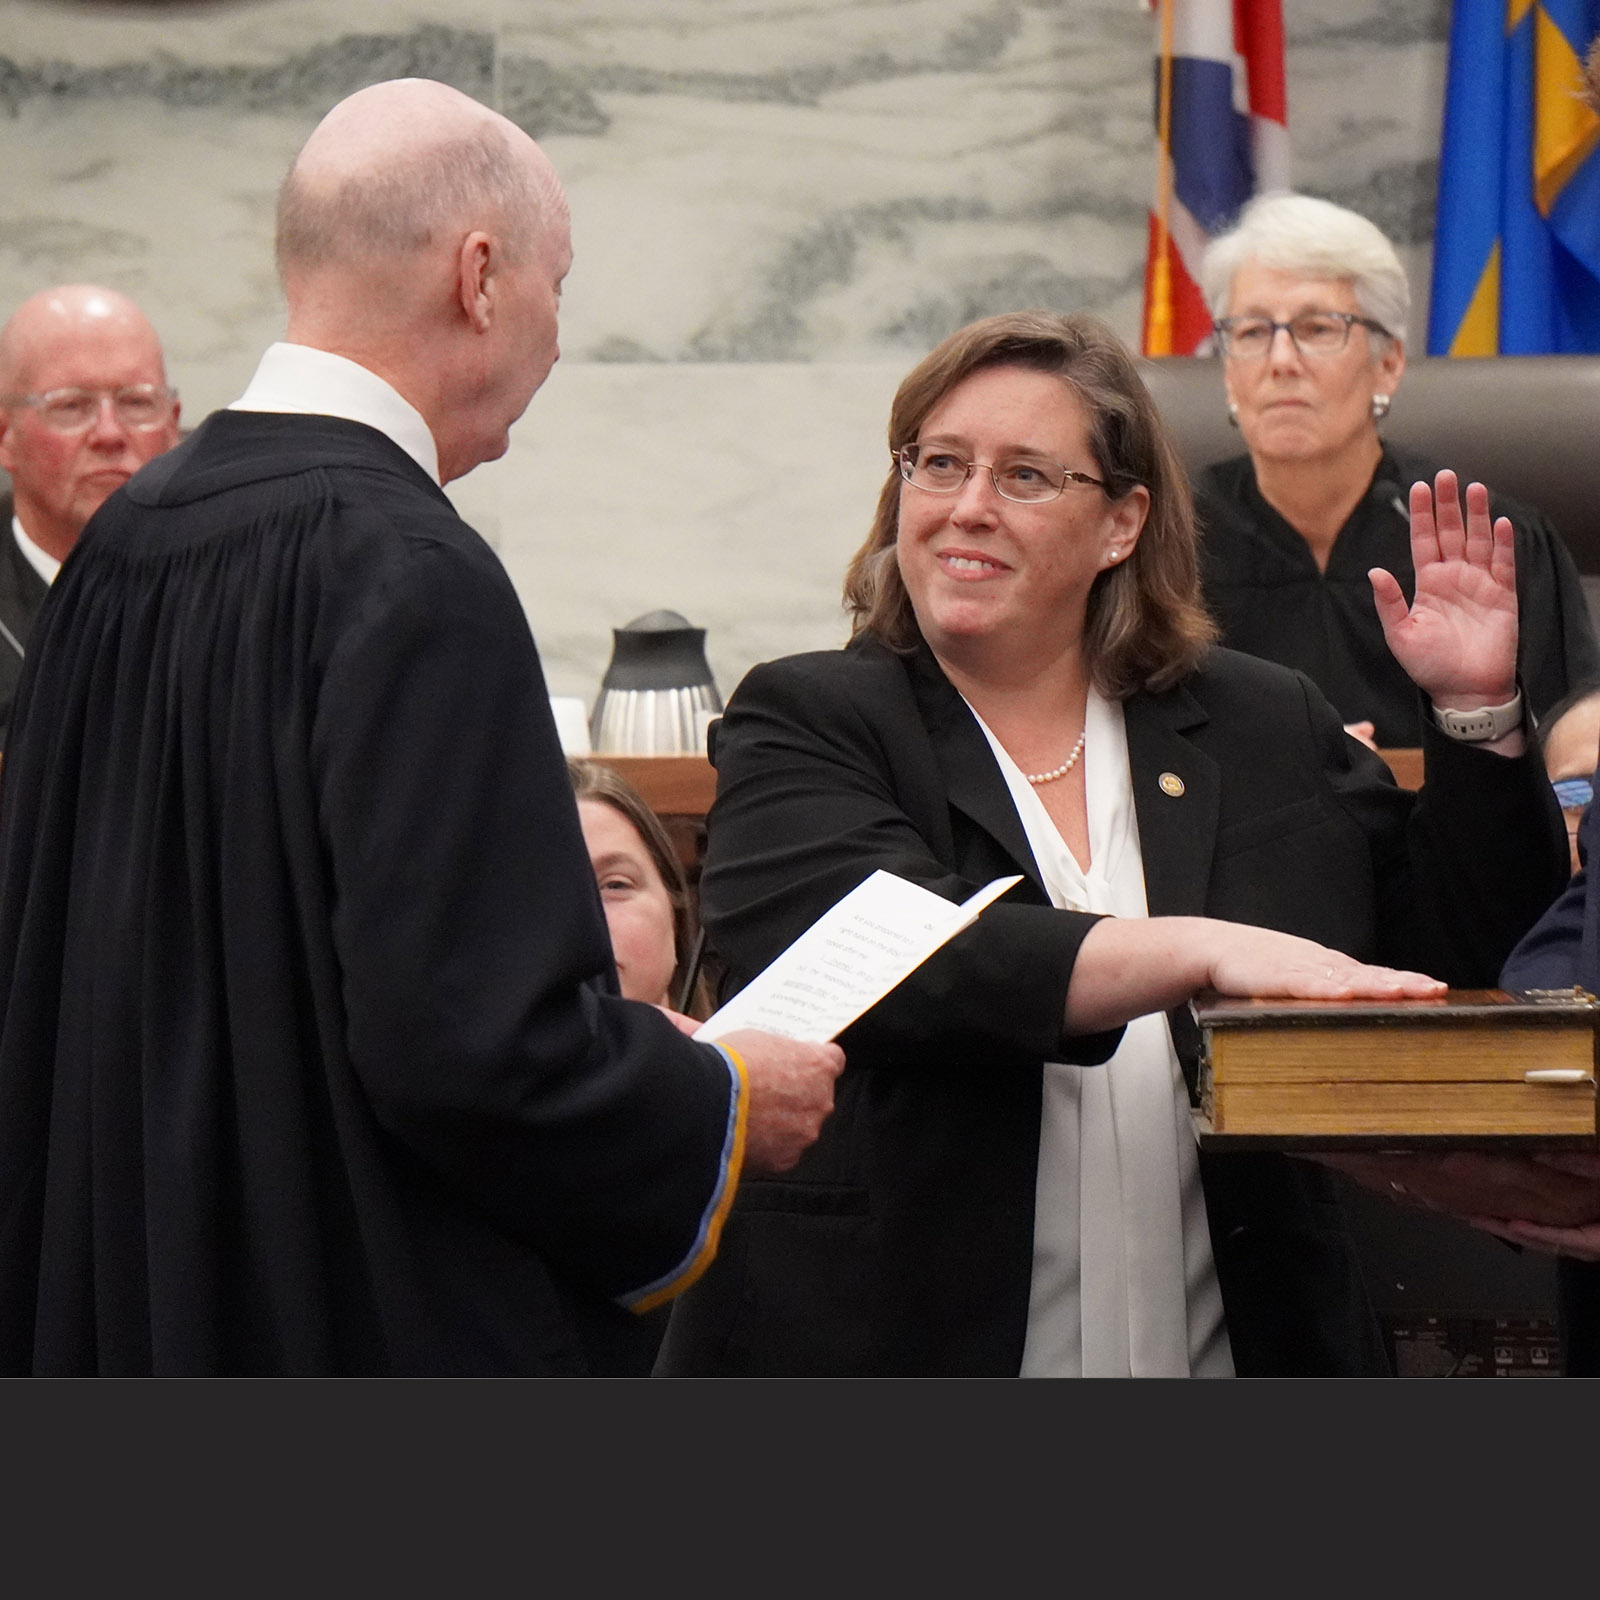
(1380, 407)
(1233, 415)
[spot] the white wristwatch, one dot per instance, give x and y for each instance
(1483, 724)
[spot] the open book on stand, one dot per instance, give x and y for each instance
(1474, 1067)
(849, 958)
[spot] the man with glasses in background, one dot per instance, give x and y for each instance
(1569, 737)
(84, 403)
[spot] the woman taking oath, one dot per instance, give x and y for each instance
(1031, 690)
(1311, 303)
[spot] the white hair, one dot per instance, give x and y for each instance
(1297, 233)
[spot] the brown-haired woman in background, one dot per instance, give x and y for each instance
(645, 895)
(643, 888)
(1031, 689)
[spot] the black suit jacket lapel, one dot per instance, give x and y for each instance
(972, 780)
(1177, 831)
(22, 590)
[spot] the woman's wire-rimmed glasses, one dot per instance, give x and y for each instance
(1025, 479)
(1318, 333)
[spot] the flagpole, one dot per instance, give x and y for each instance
(1158, 318)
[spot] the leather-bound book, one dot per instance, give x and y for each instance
(1473, 1067)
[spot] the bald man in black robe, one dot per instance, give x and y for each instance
(311, 1059)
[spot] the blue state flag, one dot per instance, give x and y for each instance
(1516, 255)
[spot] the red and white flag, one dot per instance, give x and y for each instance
(1222, 135)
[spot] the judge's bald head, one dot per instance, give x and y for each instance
(426, 236)
(394, 168)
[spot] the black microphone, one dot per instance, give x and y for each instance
(1386, 492)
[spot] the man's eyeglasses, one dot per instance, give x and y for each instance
(1024, 480)
(139, 406)
(1318, 333)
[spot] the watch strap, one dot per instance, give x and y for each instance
(1481, 724)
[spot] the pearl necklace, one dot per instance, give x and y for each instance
(1061, 771)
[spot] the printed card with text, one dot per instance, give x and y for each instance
(849, 958)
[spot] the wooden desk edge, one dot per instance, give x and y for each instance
(686, 785)
(1406, 765)
(671, 785)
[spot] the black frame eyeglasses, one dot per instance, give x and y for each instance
(1318, 333)
(946, 472)
(140, 407)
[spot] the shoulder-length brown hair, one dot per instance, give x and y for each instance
(1146, 625)
(593, 780)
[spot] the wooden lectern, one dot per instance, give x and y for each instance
(680, 789)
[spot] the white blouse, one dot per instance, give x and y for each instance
(1124, 1284)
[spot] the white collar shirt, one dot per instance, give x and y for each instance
(1124, 1283)
(298, 379)
(39, 559)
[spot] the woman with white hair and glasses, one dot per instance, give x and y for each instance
(1311, 303)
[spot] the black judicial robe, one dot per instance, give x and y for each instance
(1262, 585)
(310, 1055)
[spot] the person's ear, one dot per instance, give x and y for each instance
(1126, 523)
(7, 454)
(1231, 397)
(1391, 365)
(475, 264)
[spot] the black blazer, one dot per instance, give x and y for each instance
(902, 1243)
(22, 592)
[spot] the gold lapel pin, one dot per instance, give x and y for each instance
(1171, 784)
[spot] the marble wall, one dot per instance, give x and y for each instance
(777, 209)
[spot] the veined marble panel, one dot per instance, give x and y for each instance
(1366, 81)
(143, 147)
(778, 208)
(821, 181)
(734, 494)
(845, 182)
